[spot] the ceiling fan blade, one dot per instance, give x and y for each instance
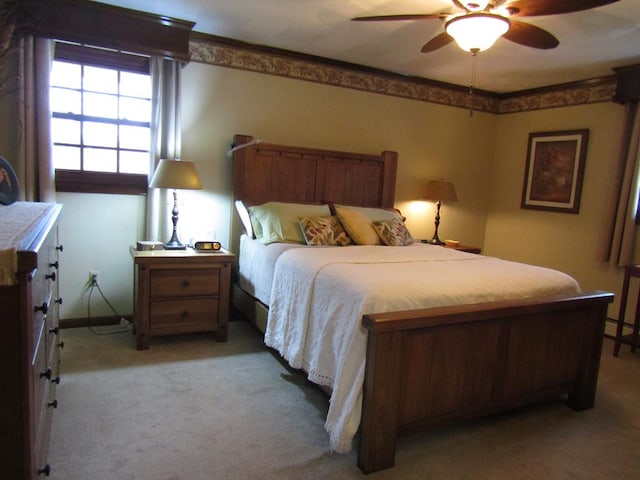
(459, 4)
(385, 18)
(533, 8)
(437, 42)
(530, 36)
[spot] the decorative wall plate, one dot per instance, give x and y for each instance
(9, 187)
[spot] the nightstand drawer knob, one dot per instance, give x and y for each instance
(51, 276)
(47, 373)
(53, 404)
(185, 314)
(54, 330)
(186, 283)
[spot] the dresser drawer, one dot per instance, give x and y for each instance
(181, 316)
(180, 283)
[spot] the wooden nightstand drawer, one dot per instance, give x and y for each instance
(181, 283)
(181, 315)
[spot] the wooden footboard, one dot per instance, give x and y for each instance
(434, 366)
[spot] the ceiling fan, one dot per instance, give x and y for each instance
(475, 25)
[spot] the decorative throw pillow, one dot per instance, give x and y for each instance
(324, 231)
(393, 232)
(358, 226)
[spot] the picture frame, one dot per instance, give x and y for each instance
(554, 170)
(9, 187)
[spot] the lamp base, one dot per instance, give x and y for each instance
(174, 244)
(433, 241)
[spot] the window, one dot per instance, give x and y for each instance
(101, 120)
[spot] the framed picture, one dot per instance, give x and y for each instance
(554, 170)
(9, 187)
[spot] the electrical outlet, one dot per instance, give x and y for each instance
(93, 276)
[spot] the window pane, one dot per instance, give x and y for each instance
(65, 74)
(134, 162)
(135, 137)
(100, 105)
(100, 134)
(65, 101)
(65, 131)
(135, 109)
(135, 85)
(102, 80)
(100, 160)
(67, 158)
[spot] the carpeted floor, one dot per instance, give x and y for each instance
(190, 408)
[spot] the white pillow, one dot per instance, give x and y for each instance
(279, 221)
(243, 213)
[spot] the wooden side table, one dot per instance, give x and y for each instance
(630, 271)
(180, 291)
(460, 246)
(464, 248)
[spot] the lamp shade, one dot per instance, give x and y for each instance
(440, 190)
(176, 174)
(477, 31)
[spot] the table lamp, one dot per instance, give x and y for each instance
(175, 174)
(439, 190)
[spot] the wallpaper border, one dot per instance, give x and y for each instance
(228, 53)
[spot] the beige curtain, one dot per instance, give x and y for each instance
(34, 166)
(165, 139)
(616, 246)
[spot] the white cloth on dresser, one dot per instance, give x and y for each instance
(17, 231)
(320, 294)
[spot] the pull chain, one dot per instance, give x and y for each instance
(474, 70)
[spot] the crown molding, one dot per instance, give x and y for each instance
(225, 52)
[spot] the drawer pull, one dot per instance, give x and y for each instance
(46, 470)
(51, 276)
(47, 373)
(186, 283)
(61, 345)
(60, 248)
(54, 265)
(58, 301)
(185, 314)
(56, 380)
(44, 308)
(53, 404)
(54, 330)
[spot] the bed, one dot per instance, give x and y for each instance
(404, 365)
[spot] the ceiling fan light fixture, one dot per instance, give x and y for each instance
(477, 31)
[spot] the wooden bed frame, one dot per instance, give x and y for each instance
(439, 365)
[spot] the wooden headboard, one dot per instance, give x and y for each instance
(265, 172)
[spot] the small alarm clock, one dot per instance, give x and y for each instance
(207, 246)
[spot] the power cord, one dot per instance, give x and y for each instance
(94, 285)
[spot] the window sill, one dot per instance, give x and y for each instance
(101, 182)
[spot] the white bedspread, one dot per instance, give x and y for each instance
(319, 295)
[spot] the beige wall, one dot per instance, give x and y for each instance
(433, 141)
(558, 240)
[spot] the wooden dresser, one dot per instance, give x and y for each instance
(181, 291)
(30, 340)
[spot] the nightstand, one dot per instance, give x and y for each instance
(180, 291)
(460, 246)
(464, 248)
